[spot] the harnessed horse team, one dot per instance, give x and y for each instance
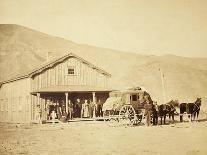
(169, 109)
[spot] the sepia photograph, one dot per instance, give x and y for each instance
(103, 77)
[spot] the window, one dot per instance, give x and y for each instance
(134, 97)
(71, 70)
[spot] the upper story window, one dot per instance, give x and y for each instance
(71, 70)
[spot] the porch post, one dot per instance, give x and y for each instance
(38, 98)
(94, 102)
(38, 110)
(66, 102)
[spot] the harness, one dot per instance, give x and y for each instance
(197, 107)
(174, 109)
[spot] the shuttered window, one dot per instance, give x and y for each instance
(71, 70)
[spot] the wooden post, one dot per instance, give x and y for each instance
(94, 96)
(66, 102)
(163, 85)
(38, 117)
(94, 102)
(38, 98)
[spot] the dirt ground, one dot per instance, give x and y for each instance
(98, 137)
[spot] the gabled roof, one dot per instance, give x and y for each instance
(53, 63)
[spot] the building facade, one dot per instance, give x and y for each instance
(55, 83)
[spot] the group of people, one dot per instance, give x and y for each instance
(78, 109)
(87, 109)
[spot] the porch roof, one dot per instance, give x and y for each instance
(71, 88)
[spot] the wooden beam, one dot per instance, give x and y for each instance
(94, 102)
(66, 102)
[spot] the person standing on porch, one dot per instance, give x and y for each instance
(38, 115)
(95, 107)
(63, 108)
(51, 108)
(70, 109)
(53, 115)
(99, 108)
(77, 108)
(85, 109)
(91, 108)
(57, 109)
(48, 109)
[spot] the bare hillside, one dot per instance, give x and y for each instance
(22, 49)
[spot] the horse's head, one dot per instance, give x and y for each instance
(176, 103)
(147, 97)
(198, 102)
(160, 107)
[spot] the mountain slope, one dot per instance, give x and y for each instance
(22, 49)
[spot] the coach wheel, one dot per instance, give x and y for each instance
(127, 115)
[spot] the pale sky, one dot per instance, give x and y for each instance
(155, 27)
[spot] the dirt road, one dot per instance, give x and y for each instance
(94, 138)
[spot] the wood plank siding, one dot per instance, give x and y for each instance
(20, 96)
(58, 75)
(15, 101)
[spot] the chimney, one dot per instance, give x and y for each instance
(49, 56)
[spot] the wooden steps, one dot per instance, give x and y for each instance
(78, 120)
(86, 119)
(50, 121)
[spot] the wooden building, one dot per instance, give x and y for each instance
(66, 78)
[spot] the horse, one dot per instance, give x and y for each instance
(172, 110)
(163, 110)
(192, 109)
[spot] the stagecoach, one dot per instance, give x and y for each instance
(126, 106)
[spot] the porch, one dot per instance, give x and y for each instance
(57, 99)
